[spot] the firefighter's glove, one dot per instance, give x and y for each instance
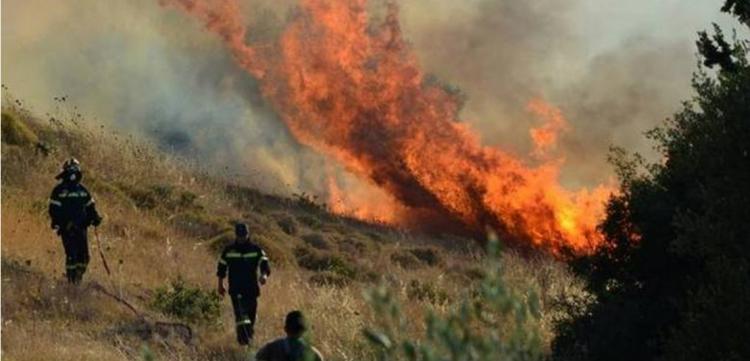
(220, 290)
(263, 279)
(96, 221)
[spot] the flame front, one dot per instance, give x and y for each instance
(355, 92)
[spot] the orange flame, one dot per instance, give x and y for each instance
(356, 93)
(545, 137)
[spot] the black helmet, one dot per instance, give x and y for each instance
(240, 230)
(71, 170)
(295, 323)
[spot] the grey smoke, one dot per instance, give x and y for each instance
(615, 68)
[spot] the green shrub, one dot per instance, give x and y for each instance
(496, 324)
(324, 261)
(426, 291)
(188, 303)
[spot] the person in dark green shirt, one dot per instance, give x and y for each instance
(292, 347)
(247, 268)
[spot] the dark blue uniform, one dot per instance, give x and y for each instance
(243, 262)
(72, 211)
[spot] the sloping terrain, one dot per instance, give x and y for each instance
(165, 221)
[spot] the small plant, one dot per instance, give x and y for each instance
(426, 291)
(406, 260)
(315, 260)
(317, 241)
(428, 255)
(188, 303)
(492, 323)
(288, 224)
(328, 278)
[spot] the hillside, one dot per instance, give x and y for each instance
(164, 223)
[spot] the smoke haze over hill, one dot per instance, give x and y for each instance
(156, 73)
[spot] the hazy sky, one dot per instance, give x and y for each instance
(616, 68)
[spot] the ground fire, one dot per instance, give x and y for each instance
(354, 91)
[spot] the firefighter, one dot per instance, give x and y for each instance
(292, 347)
(248, 268)
(72, 211)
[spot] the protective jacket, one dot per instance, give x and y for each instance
(72, 210)
(243, 261)
(71, 206)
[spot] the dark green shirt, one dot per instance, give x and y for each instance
(288, 349)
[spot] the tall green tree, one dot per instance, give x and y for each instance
(673, 281)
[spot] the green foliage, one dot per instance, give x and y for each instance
(673, 281)
(188, 303)
(426, 291)
(324, 261)
(491, 324)
(147, 354)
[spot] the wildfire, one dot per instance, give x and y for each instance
(355, 92)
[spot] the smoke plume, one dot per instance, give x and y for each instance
(157, 73)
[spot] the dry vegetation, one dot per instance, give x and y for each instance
(164, 220)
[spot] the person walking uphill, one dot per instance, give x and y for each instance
(248, 268)
(72, 211)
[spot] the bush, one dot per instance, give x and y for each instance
(310, 221)
(277, 253)
(426, 291)
(427, 255)
(288, 224)
(406, 260)
(316, 240)
(354, 247)
(324, 261)
(328, 278)
(496, 324)
(188, 303)
(197, 223)
(15, 132)
(161, 196)
(671, 281)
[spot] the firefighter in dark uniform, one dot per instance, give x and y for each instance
(72, 210)
(248, 269)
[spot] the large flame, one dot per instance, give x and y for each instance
(355, 92)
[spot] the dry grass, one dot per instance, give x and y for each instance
(164, 219)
